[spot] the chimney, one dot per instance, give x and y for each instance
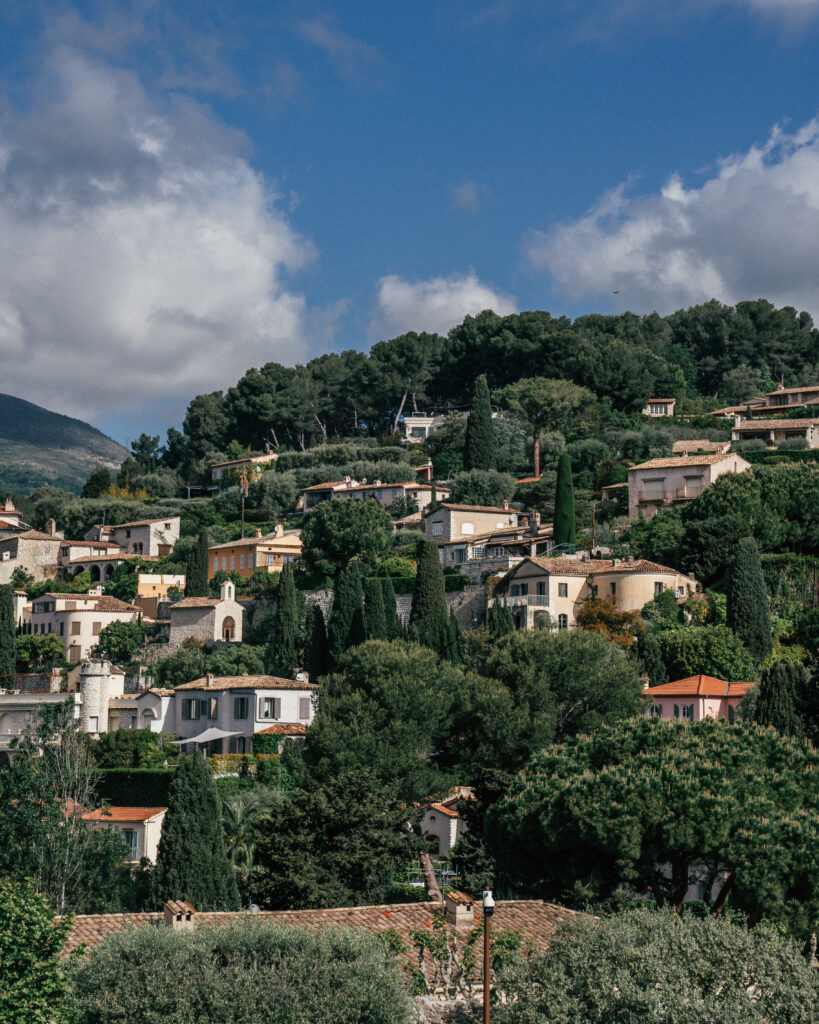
(534, 524)
(209, 680)
(459, 910)
(505, 504)
(257, 532)
(179, 914)
(279, 531)
(10, 507)
(630, 559)
(51, 526)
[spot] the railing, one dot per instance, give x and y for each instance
(532, 600)
(661, 497)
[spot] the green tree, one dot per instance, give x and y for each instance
(564, 532)
(120, 642)
(394, 627)
(241, 815)
(98, 483)
(659, 805)
(31, 941)
(428, 616)
(749, 610)
(619, 970)
(454, 640)
(8, 649)
(346, 626)
(37, 651)
(336, 532)
(479, 443)
(316, 648)
(778, 697)
(499, 620)
(332, 846)
(196, 574)
(131, 748)
(191, 863)
(374, 612)
(713, 650)
(482, 487)
(281, 654)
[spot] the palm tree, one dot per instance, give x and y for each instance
(240, 819)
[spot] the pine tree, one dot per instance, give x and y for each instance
(778, 696)
(748, 612)
(564, 529)
(192, 863)
(346, 626)
(8, 650)
(499, 620)
(196, 575)
(394, 629)
(479, 446)
(281, 654)
(428, 618)
(374, 613)
(316, 653)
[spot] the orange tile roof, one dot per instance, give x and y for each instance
(775, 424)
(685, 447)
(197, 602)
(123, 813)
(476, 508)
(699, 686)
(567, 566)
(683, 461)
(282, 729)
(142, 522)
(639, 565)
(792, 391)
(365, 487)
(293, 539)
(247, 682)
(443, 809)
(156, 692)
(535, 920)
(103, 603)
(36, 535)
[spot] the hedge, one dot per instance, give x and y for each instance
(135, 787)
(769, 458)
(235, 764)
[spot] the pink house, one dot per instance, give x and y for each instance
(695, 698)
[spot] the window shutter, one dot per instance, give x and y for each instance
(277, 708)
(691, 712)
(676, 710)
(730, 715)
(214, 707)
(261, 707)
(186, 710)
(304, 708)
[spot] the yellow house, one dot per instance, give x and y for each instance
(270, 552)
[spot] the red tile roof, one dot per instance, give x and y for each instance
(475, 508)
(699, 686)
(247, 682)
(684, 461)
(282, 729)
(443, 809)
(124, 813)
(639, 565)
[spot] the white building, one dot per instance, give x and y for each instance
(155, 537)
(443, 821)
(418, 426)
(139, 827)
(78, 619)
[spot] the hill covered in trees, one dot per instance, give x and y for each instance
(40, 447)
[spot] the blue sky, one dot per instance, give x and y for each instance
(187, 190)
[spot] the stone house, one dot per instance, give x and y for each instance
(659, 407)
(783, 399)
(663, 483)
(385, 494)
(454, 522)
(497, 551)
(774, 432)
(695, 698)
(31, 550)
(553, 590)
(140, 828)
(242, 706)
(270, 552)
(78, 619)
(99, 558)
(207, 619)
(154, 537)
(11, 521)
(418, 426)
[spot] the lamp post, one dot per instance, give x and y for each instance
(488, 911)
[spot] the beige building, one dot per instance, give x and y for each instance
(78, 619)
(418, 426)
(774, 432)
(11, 520)
(658, 407)
(152, 588)
(207, 619)
(31, 550)
(455, 522)
(155, 537)
(661, 483)
(496, 552)
(140, 828)
(551, 591)
(385, 494)
(270, 552)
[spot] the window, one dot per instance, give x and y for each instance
(224, 563)
(613, 587)
(237, 745)
(62, 629)
(74, 653)
(167, 526)
(270, 707)
(460, 556)
(241, 561)
(129, 836)
(500, 526)
(228, 629)
(213, 707)
(250, 560)
(437, 529)
(467, 529)
(127, 533)
(241, 707)
(191, 708)
(478, 552)
(688, 711)
(563, 622)
(96, 627)
(658, 589)
(93, 723)
(540, 588)
(269, 558)
(216, 564)
(75, 627)
(732, 715)
(304, 708)
(232, 562)
(563, 590)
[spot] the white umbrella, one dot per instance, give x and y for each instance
(206, 737)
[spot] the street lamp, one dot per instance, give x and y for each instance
(488, 911)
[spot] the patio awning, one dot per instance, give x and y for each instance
(207, 736)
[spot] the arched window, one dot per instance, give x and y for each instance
(228, 628)
(95, 573)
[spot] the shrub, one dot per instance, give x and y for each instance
(253, 972)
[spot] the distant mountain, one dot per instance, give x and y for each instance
(39, 447)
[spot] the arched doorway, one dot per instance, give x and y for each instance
(109, 571)
(228, 628)
(95, 573)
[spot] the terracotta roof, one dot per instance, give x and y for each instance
(528, 480)
(196, 602)
(142, 522)
(692, 447)
(639, 565)
(247, 682)
(567, 566)
(102, 603)
(612, 487)
(282, 729)
(476, 508)
(679, 462)
(535, 920)
(269, 538)
(156, 692)
(792, 391)
(699, 686)
(37, 535)
(775, 424)
(515, 534)
(124, 813)
(6, 525)
(443, 809)
(92, 544)
(120, 556)
(410, 485)
(661, 400)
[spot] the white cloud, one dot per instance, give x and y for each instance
(435, 305)
(143, 258)
(469, 195)
(751, 230)
(354, 60)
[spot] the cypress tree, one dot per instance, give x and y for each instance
(346, 626)
(648, 651)
(394, 629)
(748, 612)
(281, 654)
(428, 623)
(8, 648)
(500, 621)
(196, 573)
(374, 613)
(564, 529)
(192, 863)
(454, 649)
(433, 497)
(316, 654)
(479, 447)
(778, 695)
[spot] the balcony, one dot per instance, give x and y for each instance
(669, 497)
(529, 600)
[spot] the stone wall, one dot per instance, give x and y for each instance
(191, 622)
(469, 606)
(38, 557)
(431, 1010)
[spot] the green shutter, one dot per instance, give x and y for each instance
(676, 710)
(691, 712)
(731, 715)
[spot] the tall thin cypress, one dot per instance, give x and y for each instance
(374, 614)
(8, 649)
(316, 653)
(748, 610)
(196, 573)
(428, 618)
(479, 446)
(454, 642)
(564, 528)
(346, 626)
(394, 627)
(777, 698)
(192, 863)
(499, 620)
(281, 653)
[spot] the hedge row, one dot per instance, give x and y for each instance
(767, 458)
(135, 787)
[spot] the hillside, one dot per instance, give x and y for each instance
(40, 447)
